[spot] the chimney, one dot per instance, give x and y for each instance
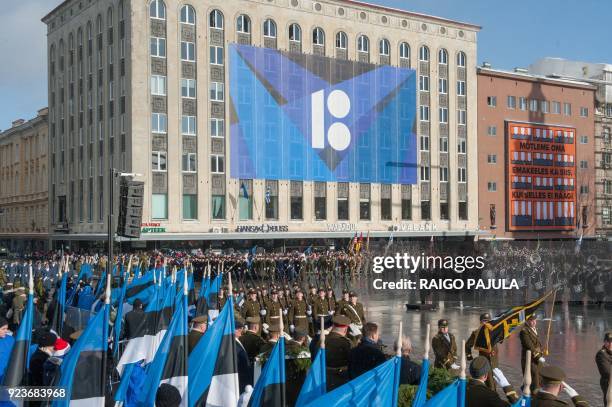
(521, 70)
(18, 122)
(486, 64)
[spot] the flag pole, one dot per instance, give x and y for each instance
(552, 308)
(282, 325)
(427, 345)
(229, 285)
(322, 336)
(31, 282)
(398, 352)
(462, 375)
(527, 376)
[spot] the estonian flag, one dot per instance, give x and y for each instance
(141, 288)
(119, 317)
(421, 396)
(213, 368)
(316, 380)
(60, 305)
(202, 302)
(18, 363)
(376, 387)
(170, 362)
(213, 290)
(83, 371)
(452, 395)
(269, 390)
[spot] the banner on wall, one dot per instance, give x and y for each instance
(541, 187)
(306, 117)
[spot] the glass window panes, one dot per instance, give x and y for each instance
(187, 51)
(245, 201)
(190, 207)
(341, 40)
(522, 103)
(443, 144)
(188, 88)
(189, 162)
(217, 164)
(461, 59)
(218, 207)
(295, 33)
(318, 36)
(158, 85)
(216, 19)
(442, 57)
(243, 24)
(158, 161)
(159, 123)
(424, 173)
(188, 125)
(216, 55)
(424, 83)
(158, 47)
(443, 112)
(425, 210)
(363, 44)
(567, 109)
(404, 50)
(460, 88)
(157, 9)
(384, 47)
(424, 113)
(511, 102)
(269, 28)
(187, 15)
(216, 91)
(424, 54)
(443, 85)
(556, 107)
(159, 206)
(217, 127)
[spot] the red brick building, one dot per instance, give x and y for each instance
(535, 156)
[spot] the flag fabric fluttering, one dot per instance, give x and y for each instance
(57, 322)
(119, 318)
(141, 288)
(452, 395)
(213, 289)
(213, 366)
(269, 390)
(421, 396)
(316, 381)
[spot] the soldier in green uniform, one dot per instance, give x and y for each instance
(320, 307)
(273, 309)
(478, 394)
(197, 331)
(553, 381)
(251, 339)
(444, 347)
(491, 356)
(344, 300)
(355, 312)
(19, 301)
(331, 300)
(603, 359)
(298, 317)
(530, 341)
(338, 349)
(251, 306)
(312, 295)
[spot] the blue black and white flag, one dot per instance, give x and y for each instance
(141, 288)
(60, 306)
(316, 381)
(269, 390)
(452, 395)
(421, 396)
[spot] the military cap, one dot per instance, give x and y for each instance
(485, 317)
(353, 294)
(442, 323)
(298, 333)
(286, 286)
(341, 320)
(200, 319)
(479, 367)
(321, 289)
(345, 291)
(329, 288)
(552, 374)
(274, 291)
(608, 337)
(532, 317)
(252, 291)
(253, 320)
(274, 328)
(311, 286)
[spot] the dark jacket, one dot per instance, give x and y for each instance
(37, 362)
(133, 321)
(479, 395)
(366, 356)
(604, 362)
(245, 370)
(542, 399)
(410, 372)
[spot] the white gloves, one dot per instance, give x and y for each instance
(541, 360)
(569, 391)
(330, 312)
(499, 377)
(309, 312)
(284, 312)
(291, 328)
(262, 312)
(455, 366)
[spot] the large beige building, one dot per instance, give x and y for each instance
(24, 164)
(144, 85)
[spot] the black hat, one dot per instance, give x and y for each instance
(3, 321)
(137, 303)
(353, 294)
(167, 396)
(485, 317)
(552, 374)
(479, 367)
(442, 323)
(607, 336)
(46, 338)
(341, 320)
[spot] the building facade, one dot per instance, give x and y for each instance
(24, 165)
(148, 87)
(536, 156)
(600, 76)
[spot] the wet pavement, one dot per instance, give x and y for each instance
(576, 331)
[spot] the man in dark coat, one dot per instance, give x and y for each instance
(245, 370)
(198, 329)
(250, 339)
(552, 384)
(478, 394)
(604, 362)
(444, 347)
(530, 341)
(46, 343)
(133, 320)
(338, 350)
(410, 372)
(368, 354)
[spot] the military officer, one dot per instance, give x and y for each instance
(530, 341)
(273, 309)
(298, 317)
(552, 383)
(444, 347)
(490, 355)
(320, 306)
(331, 299)
(250, 339)
(197, 331)
(478, 394)
(251, 306)
(604, 363)
(312, 295)
(342, 301)
(338, 349)
(355, 312)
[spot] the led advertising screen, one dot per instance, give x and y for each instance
(306, 117)
(542, 177)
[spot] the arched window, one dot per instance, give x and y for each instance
(109, 17)
(216, 19)
(99, 24)
(187, 15)
(341, 40)
(295, 33)
(121, 11)
(424, 54)
(384, 47)
(243, 24)
(404, 50)
(461, 59)
(363, 44)
(442, 57)
(269, 28)
(157, 9)
(318, 36)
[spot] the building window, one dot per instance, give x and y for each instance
(190, 207)
(320, 201)
(461, 59)
(157, 9)
(218, 207)
(363, 44)
(491, 101)
(342, 204)
(606, 215)
(384, 47)
(584, 139)
(189, 162)
(385, 203)
(533, 105)
(217, 128)
(443, 86)
(159, 123)
(492, 186)
(461, 146)
(608, 187)
(425, 210)
(461, 177)
(158, 161)
(544, 106)
(295, 33)
(424, 54)
(443, 174)
(188, 88)
(567, 109)
(271, 199)
(584, 164)
(243, 24)
(444, 144)
(217, 164)
(216, 19)
(460, 88)
(341, 40)
(444, 211)
(188, 125)
(424, 83)
(296, 200)
(187, 15)
(159, 206)
(216, 92)
(492, 130)
(158, 85)
(187, 51)
(492, 158)
(158, 47)
(522, 103)
(318, 36)
(443, 112)
(406, 207)
(404, 51)
(216, 55)
(424, 113)
(584, 112)
(443, 57)
(511, 102)
(584, 189)
(245, 200)
(424, 173)
(269, 29)
(461, 117)
(364, 201)
(463, 212)
(556, 107)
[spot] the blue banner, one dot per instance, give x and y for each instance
(312, 118)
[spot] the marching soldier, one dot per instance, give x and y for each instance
(604, 363)
(344, 300)
(531, 341)
(355, 312)
(312, 295)
(298, 317)
(273, 309)
(444, 347)
(250, 339)
(331, 300)
(552, 384)
(320, 307)
(491, 356)
(251, 307)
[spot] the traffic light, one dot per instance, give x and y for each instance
(131, 195)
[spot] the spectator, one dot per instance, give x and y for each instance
(368, 354)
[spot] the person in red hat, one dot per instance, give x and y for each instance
(52, 365)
